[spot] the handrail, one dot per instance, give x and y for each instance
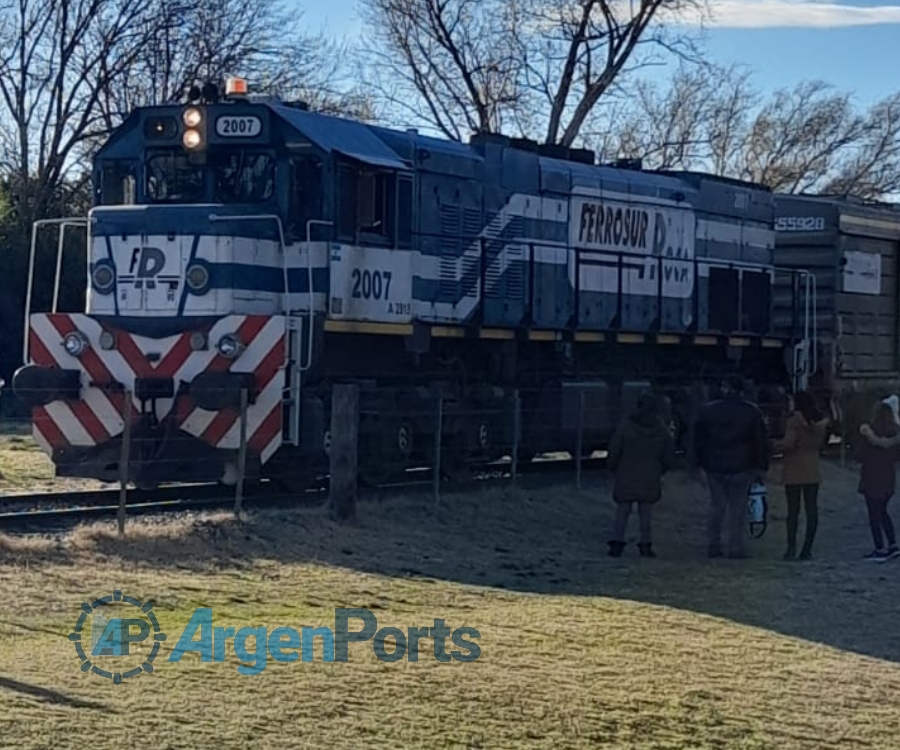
(309, 226)
(59, 256)
(808, 285)
(815, 317)
(29, 291)
(659, 261)
(804, 324)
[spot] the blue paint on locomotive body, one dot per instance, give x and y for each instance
(497, 234)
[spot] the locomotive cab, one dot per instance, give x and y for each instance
(186, 305)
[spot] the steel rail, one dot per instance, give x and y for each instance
(65, 508)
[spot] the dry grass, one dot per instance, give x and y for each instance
(24, 468)
(22, 464)
(577, 650)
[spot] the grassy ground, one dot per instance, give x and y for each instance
(578, 650)
(25, 469)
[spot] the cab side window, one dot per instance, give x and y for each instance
(365, 199)
(306, 199)
(374, 206)
(117, 184)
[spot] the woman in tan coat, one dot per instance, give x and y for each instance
(803, 438)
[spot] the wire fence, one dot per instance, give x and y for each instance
(347, 436)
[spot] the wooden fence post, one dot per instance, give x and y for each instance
(517, 429)
(242, 455)
(343, 453)
(579, 442)
(438, 429)
(124, 460)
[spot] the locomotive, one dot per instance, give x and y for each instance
(245, 254)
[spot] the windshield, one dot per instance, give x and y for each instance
(237, 177)
(243, 177)
(171, 178)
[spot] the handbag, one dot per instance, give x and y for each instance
(758, 508)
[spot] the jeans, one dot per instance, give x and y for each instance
(810, 494)
(729, 497)
(880, 521)
(645, 513)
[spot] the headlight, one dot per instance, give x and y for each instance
(103, 278)
(75, 343)
(197, 277)
(191, 139)
(229, 346)
(192, 117)
(198, 341)
(107, 340)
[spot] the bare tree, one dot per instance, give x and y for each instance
(806, 139)
(699, 121)
(539, 66)
(70, 70)
(58, 57)
(194, 41)
(448, 63)
(871, 169)
(799, 136)
(584, 48)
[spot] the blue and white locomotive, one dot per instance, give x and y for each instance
(244, 245)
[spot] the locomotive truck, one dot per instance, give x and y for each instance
(245, 254)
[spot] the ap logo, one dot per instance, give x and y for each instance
(115, 639)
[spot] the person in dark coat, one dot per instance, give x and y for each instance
(731, 446)
(878, 454)
(642, 450)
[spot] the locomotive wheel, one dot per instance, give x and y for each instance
(455, 453)
(387, 448)
(292, 472)
(374, 465)
(484, 437)
(295, 482)
(488, 434)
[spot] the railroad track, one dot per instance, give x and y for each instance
(42, 512)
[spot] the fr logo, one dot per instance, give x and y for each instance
(148, 261)
(145, 271)
(115, 641)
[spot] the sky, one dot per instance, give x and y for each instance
(850, 44)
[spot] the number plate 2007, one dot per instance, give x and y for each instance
(235, 126)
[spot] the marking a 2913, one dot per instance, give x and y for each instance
(371, 284)
(238, 126)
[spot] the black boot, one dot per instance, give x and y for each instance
(616, 548)
(812, 523)
(646, 550)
